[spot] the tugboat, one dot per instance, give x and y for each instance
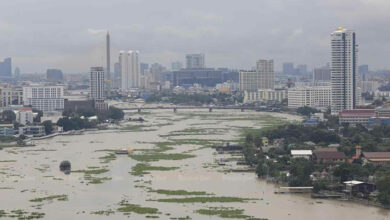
(124, 151)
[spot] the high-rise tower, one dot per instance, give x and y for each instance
(344, 71)
(108, 67)
(130, 69)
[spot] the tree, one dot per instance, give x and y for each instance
(383, 185)
(300, 170)
(306, 110)
(40, 114)
(8, 116)
(115, 113)
(48, 126)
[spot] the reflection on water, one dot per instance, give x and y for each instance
(102, 179)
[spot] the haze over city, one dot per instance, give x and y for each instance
(69, 34)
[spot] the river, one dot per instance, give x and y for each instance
(27, 174)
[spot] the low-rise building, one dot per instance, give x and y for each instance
(25, 116)
(307, 154)
(328, 156)
(265, 95)
(44, 98)
(312, 96)
(382, 158)
(36, 130)
(7, 130)
(356, 116)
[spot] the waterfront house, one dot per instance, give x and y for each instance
(382, 158)
(36, 130)
(307, 154)
(355, 186)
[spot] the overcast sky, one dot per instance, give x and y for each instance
(70, 34)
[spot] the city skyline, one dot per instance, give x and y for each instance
(214, 31)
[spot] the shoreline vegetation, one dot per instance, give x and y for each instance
(277, 165)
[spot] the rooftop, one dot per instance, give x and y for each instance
(377, 155)
(329, 155)
(358, 112)
(301, 152)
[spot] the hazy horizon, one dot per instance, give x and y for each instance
(70, 35)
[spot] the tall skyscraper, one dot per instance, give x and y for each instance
(130, 69)
(97, 83)
(266, 78)
(6, 68)
(108, 65)
(195, 61)
(344, 73)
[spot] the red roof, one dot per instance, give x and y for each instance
(358, 112)
(25, 109)
(376, 155)
(329, 155)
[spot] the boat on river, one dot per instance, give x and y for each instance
(124, 151)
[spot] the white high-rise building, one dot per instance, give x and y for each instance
(44, 98)
(97, 83)
(344, 72)
(265, 69)
(130, 69)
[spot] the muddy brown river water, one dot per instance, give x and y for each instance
(31, 173)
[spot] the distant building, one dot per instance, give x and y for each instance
(7, 130)
(44, 98)
(249, 81)
(265, 69)
(344, 77)
(356, 116)
(311, 96)
(97, 83)
(177, 65)
(302, 69)
(6, 68)
(363, 70)
(130, 69)
(288, 69)
(117, 76)
(262, 95)
(321, 74)
(54, 75)
(195, 61)
(205, 77)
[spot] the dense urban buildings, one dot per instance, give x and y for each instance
(344, 74)
(54, 75)
(195, 61)
(97, 83)
(130, 69)
(6, 68)
(44, 98)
